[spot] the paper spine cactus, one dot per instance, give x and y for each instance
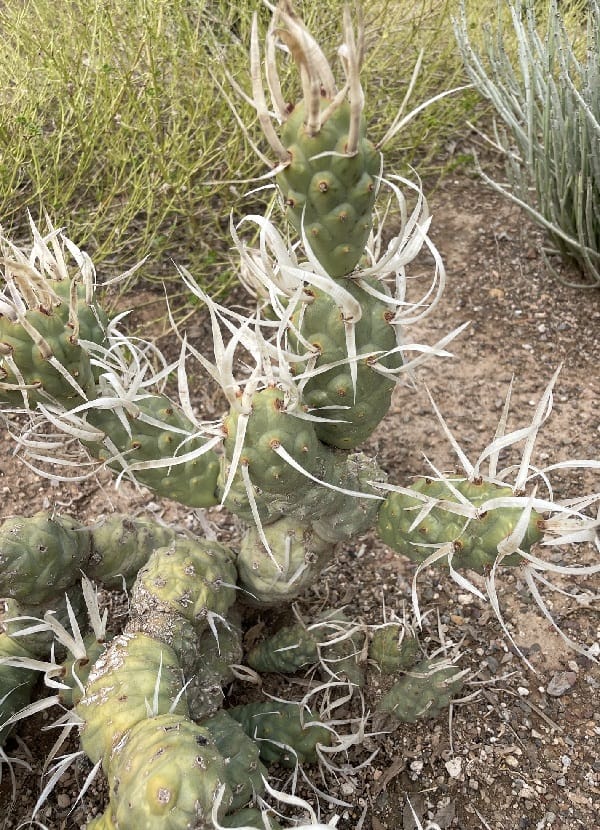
(322, 354)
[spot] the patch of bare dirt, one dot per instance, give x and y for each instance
(523, 753)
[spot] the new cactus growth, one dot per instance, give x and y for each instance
(285, 733)
(244, 773)
(424, 691)
(329, 176)
(393, 648)
(330, 181)
(332, 640)
(320, 358)
(42, 324)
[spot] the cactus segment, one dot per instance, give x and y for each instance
(191, 578)
(294, 560)
(158, 432)
(286, 733)
(121, 546)
(358, 409)
(335, 516)
(475, 540)
(135, 672)
(41, 556)
(296, 646)
(269, 427)
(305, 503)
(165, 775)
(16, 683)
(237, 501)
(172, 629)
(205, 656)
(49, 333)
(214, 658)
(328, 193)
(351, 515)
(392, 648)
(292, 648)
(243, 770)
(425, 691)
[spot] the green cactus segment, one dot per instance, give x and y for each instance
(205, 660)
(41, 556)
(250, 817)
(350, 515)
(191, 578)
(244, 772)
(121, 546)
(393, 649)
(321, 323)
(329, 194)
(167, 434)
(134, 674)
(306, 502)
(16, 683)
(286, 733)
(335, 516)
(297, 556)
(330, 641)
(166, 775)
(292, 648)
(269, 427)
(76, 671)
(237, 502)
(423, 692)
(214, 658)
(57, 339)
(475, 540)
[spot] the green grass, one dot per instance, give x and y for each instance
(546, 98)
(113, 119)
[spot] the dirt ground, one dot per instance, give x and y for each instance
(523, 752)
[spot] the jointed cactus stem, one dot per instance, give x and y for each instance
(308, 377)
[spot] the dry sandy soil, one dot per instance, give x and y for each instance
(523, 753)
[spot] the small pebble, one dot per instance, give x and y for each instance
(560, 683)
(454, 767)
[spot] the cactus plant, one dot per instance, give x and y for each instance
(424, 691)
(321, 356)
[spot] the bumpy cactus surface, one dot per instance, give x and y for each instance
(166, 775)
(425, 691)
(158, 705)
(405, 527)
(39, 556)
(330, 183)
(286, 734)
(393, 648)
